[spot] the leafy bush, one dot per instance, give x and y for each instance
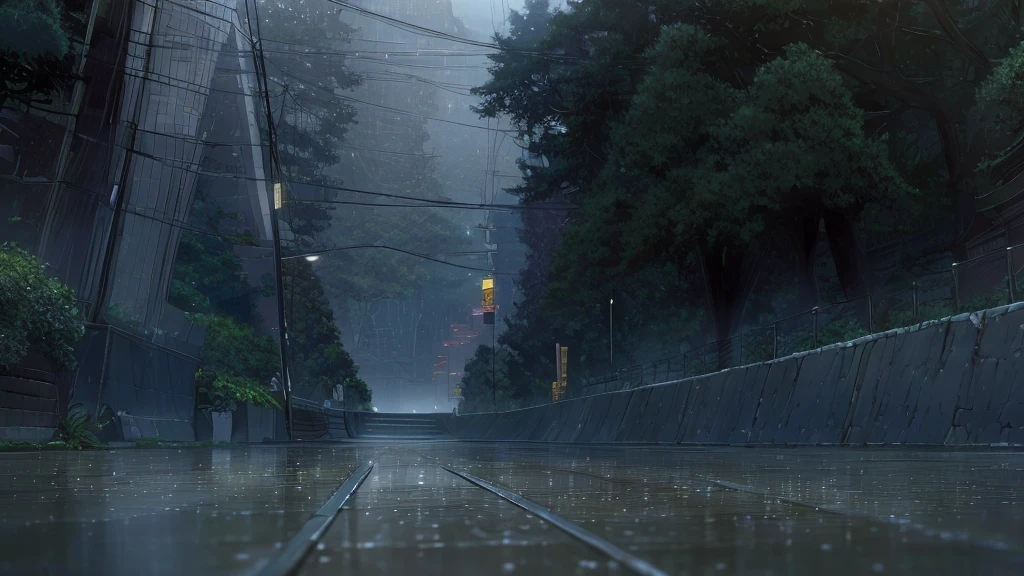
(358, 395)
(223, 393)
(36, 312)
(77, 430)
(237, 362)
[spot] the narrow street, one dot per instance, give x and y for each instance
(676, 510)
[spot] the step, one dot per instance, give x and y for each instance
(26, 433)
(403, 429)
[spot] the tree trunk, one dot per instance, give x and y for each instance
(842, 241)
(730, 276)
(849, 261)
(803, 238)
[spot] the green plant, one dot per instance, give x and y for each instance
(358, 395)
(223, 392)
(77, 430)
(36, 312)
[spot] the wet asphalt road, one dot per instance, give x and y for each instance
(684, 510)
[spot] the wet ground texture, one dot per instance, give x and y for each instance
(676, 510)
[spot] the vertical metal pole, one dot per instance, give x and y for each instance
(871, 324)
(1011, 280)
(611, 323)
(915, 301)
(494, 380)
(956, 290)
(814, 324)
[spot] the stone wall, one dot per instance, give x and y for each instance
(28, 402)
(956, 381)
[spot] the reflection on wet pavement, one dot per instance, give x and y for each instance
(411, 516)
(166, 511)
(688, 511)
(776, 511)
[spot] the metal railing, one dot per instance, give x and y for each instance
(986, 281)
(312, 421)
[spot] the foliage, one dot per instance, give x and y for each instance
(478, 393)
(77, 430)
(358, 395)
(36, 312)
(34, 50)
(311, 122)
(704, 134)
(223, 393)
(237, 365)
(208, 276)
(317, 359)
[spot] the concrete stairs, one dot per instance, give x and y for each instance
(377, 425)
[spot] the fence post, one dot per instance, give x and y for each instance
(956, 290)
(1011, 280)
(871, 314)
(775, 341)
(814, 324)
(915, 302)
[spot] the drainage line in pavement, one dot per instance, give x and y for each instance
(605, 547)
(290, 560)
(825, 509)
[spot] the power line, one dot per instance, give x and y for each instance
(441, 203)
(401, 251)
(424, 31)
(358, 101)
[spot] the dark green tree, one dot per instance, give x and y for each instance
(700, 167)
(34, 51)
(318, 361)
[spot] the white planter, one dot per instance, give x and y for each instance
(221, 426)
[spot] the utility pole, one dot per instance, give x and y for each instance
(276, 203)
(494, 380)
(611, 322)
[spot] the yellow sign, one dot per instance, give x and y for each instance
(458, 392)
(557, 391)
(488, 288)
(278, 196)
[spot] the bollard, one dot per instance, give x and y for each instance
(814, 316)
(871, 314)
(915, 301)
(956, 290)
(1011, 280)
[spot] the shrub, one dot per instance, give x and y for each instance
(77, 430)
(36, 312)
(237, 362)
(358, 395)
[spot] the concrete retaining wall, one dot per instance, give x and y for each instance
(28, 405)
(956, 381)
